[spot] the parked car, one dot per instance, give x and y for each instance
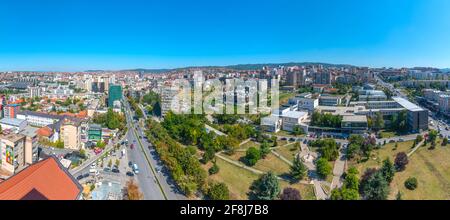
(130, 164)
(80, 177)
(115, 170)
(135, 168)
(86, 175)
(107, 169)
(129, 173)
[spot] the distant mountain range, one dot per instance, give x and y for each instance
(237, 67)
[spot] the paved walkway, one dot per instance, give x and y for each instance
(415, 148)
(338, 170)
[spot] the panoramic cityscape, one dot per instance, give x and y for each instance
(106, 111)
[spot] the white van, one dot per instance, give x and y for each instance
(93, 171)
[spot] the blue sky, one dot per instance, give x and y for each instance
(100, 34)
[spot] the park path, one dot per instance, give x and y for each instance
(415, 148)
(338, 170)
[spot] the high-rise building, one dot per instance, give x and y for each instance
(35, 91)
(10, 111)
(12, 148)
(114, 94)
(322, 77)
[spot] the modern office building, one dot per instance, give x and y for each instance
(417, 116)
(114, 94)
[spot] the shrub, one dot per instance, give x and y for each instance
(411, 183)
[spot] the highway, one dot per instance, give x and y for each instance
(156, 177)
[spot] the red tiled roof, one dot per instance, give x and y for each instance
(44, 132)
(46, 179)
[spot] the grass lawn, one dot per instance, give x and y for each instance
(387, 134)
(430, 167)
(270, 163)
(239, 181)
(432, 170)
(249, 144)
(377, 156)
(287, 151)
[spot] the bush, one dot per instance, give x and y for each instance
(411, 183)
(218, 191)
(323, 167)
(214, 169)
(401, 160)
(252, 156)
(290, 194)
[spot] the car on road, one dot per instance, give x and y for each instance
(291, 139)
(93, 166)
(135, 168)
(132, 146)
(129, 173)
(130, 164)
(115, 170)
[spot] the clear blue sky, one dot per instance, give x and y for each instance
(109, 34)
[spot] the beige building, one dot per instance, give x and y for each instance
(31, 144)
(71, 134)
(12, 148)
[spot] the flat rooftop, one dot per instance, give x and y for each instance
(294, 114)
(407, 104)
(354, 118)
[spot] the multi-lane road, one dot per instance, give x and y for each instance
(154, 178)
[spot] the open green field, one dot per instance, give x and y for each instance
(430, 167)
(287, 152)
(432, 170)
(387, 134)
(239, 181)
(270, 163)
(377, 156)
(285, 96)
(248, 145)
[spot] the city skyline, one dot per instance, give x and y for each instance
(78, 36)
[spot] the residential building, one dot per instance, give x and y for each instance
(114, 94)
(12, 147)
(39, 119)
(71, 133)
(10, 111)
(322, 77)
(95, 132)
(31, 144)
(35, 91)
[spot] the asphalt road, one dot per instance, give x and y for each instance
(147, 154)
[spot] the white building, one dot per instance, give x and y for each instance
(291, 119)
(13, 124)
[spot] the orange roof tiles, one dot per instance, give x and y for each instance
(44, 132)
(46, 179)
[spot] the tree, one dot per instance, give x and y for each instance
(208, 155)
(388, 170)
(290, 194)
(132, 191)
(218, 191)
(376, 187)
(267, 187)
(419, 138)
(444, 141)
(298, 169)
(401, 160)
(411, 183)
(265, 149)
(398, 196)
(323, 167)
(297, 130)
(109, 163)
(379, 121)
(1, 131)
(214, 169)
(252, 156)
(327, 148)
(432, 135)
